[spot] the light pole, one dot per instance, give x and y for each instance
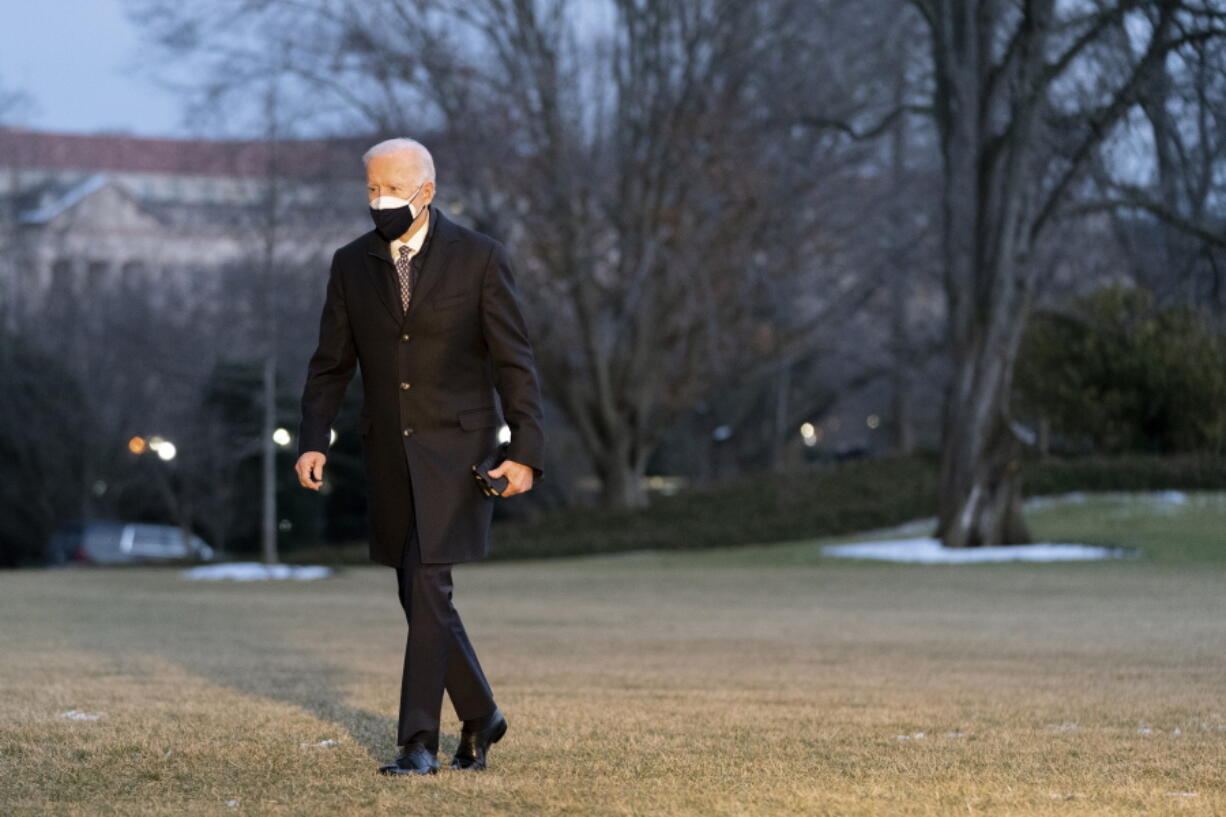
(268, 461)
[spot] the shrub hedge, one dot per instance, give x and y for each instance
(825, 501)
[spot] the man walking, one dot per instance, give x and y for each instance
(428, 309)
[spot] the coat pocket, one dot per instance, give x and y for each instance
(478, 418)
(451, 299)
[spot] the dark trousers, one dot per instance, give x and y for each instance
(437, 654)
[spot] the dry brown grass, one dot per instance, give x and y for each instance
(638, 684)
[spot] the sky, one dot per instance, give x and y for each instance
(73, 59)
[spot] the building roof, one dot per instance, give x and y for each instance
(303, 158)
(54, 199)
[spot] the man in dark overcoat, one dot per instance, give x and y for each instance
(429, 310)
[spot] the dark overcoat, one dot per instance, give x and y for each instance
(430, 381)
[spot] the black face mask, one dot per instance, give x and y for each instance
(393, 222)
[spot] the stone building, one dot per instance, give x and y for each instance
(84, 211)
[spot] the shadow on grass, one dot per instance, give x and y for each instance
(298, 677)
(210, 634)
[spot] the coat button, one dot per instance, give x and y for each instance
(408, 431)
(404, 385)
(405, 336)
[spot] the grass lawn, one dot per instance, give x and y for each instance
(1189, 531)
(756, 680)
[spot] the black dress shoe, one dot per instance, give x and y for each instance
(415, 759)
(475, 742)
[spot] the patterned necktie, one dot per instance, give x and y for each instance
(403, 267)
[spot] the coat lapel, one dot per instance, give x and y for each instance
(382, 269)
(382, 273)
(437, 259)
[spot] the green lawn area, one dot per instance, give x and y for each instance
(750, 680)
(1191, 532)
(1168, 531)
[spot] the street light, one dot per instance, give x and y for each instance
(165, 449)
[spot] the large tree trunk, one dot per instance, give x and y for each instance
(621, 484)
(980, 484)
(987, 196)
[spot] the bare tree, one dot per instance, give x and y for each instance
(620, 148)
(1167, 217)
(617, 154)
(1016, 137)
(853, 84)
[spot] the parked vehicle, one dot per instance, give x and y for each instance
(112, 542)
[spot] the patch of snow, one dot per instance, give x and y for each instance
(927, 550)
(255, 572)
(1119, 504)
(328, 742)
(73, 714)
(1182, 794)
(1151, 499)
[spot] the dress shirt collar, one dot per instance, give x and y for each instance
(419, 238)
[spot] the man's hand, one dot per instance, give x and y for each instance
(519, 477)
(310, 469)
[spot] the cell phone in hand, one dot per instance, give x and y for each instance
(492, 486)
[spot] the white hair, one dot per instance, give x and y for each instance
(402, 145)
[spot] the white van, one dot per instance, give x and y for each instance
(110, 542)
